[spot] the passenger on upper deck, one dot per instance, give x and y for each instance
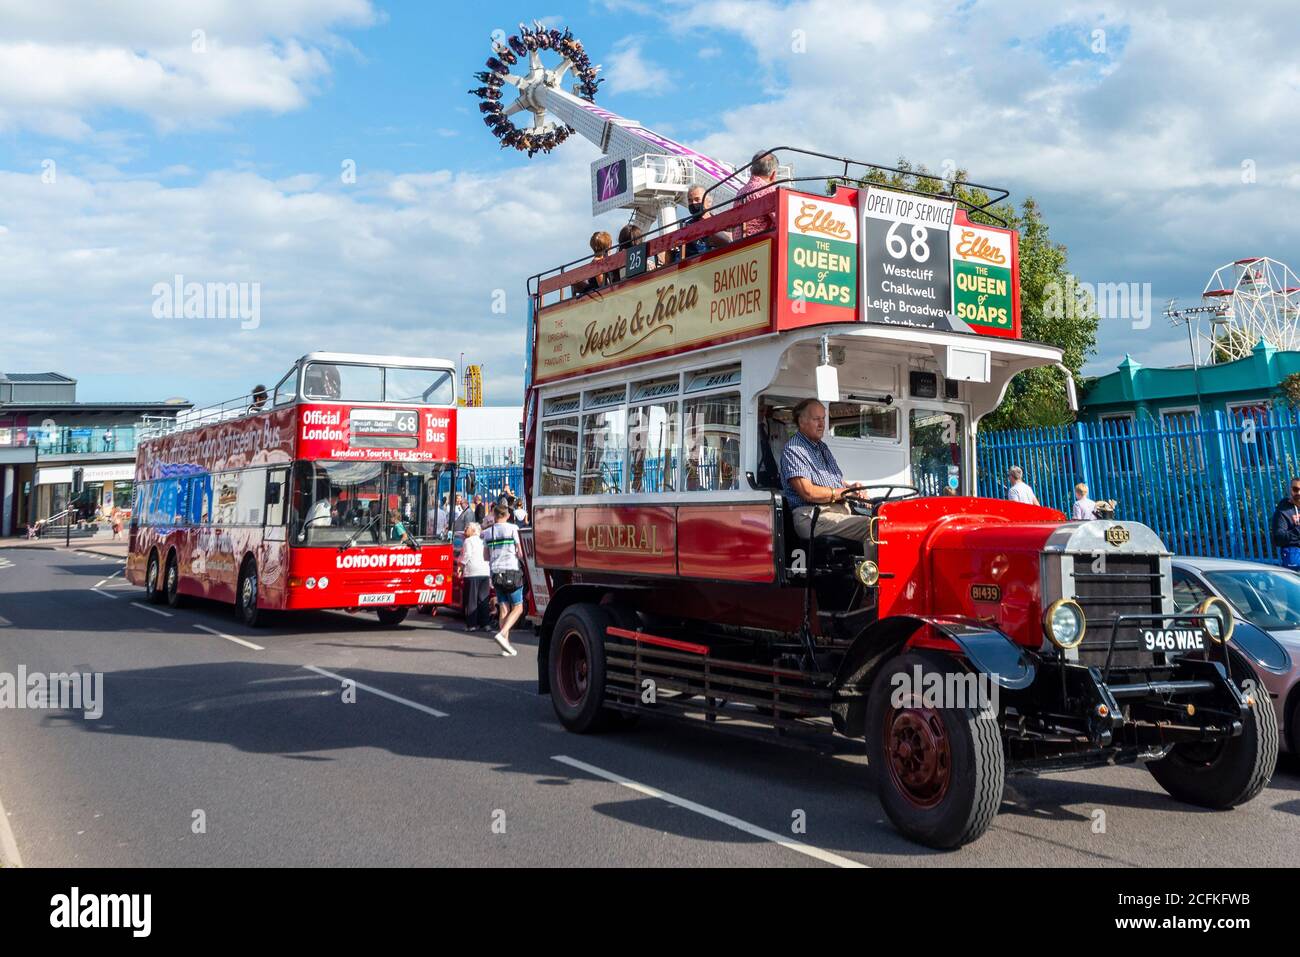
(762, 175)
(600, 243)
(699, 205)
(810, 476)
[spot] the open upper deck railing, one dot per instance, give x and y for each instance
(733, 212)
(153, 426)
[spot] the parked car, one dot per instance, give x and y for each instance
(1264, 595)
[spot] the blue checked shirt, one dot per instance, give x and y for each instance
(804, 458)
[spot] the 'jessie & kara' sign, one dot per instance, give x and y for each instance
(719, 298)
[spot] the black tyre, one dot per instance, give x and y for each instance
(577, 668)
(172, 583)
(246, 596)
(392, 617)
(939, 771)
(1223, 774)
(153, 580)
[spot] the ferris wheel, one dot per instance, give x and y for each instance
(1253, 300)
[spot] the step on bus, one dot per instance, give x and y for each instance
(325, 492)
(671, 579)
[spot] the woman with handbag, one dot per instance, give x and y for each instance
(505, 552)
(475, 578)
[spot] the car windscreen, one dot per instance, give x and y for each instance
(1265, 597)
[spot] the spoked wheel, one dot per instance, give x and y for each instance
(246, 599)
(939, 770)
(918, 755)
(152, 592)
(1222, 774)
(577, 668)
(172, 583)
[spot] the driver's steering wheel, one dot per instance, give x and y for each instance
(858, 504)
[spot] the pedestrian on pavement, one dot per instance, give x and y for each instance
(475, 573)
(1286, 526)
(115, 522)
(1085, 509)
(1018, 490)
(505, 557)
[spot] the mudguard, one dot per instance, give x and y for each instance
(989, 651)
(1261, 648)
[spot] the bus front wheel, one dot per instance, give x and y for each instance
(246, 598)
(577, 668)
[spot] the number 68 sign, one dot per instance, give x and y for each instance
(907, 272)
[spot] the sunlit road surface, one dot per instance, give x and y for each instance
(328, 740)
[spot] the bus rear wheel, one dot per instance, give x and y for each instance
(246, 596)
(577, 668)
(152, 593)
(391, 617)
(939, 771)
(172, 583)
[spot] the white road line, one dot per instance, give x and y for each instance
(156, 611)
(8, 846)
(383, 694)
(110, 578)
(238, 641)
(104, 593)
(799, 847)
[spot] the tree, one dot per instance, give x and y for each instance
(1052, 307)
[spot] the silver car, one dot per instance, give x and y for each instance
(1267, 596)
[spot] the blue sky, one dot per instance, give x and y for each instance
(224, 165)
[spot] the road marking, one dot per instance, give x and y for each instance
(799, 847)
(383, 694)
(109, 578)
(156, 611)
(222, 634)
(104, 593)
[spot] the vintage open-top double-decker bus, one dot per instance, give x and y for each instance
(669, 577)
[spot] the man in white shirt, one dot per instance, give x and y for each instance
(1085, 509)
(1019, 490)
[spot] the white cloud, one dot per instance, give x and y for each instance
(628, 71)
(179, 64)
(1135, 156)
(399, 263)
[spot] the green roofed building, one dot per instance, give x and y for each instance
(1245, 387)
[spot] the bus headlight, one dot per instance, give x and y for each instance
(1064, 623)
(322, 582)
(1220, 624)
(311, 583)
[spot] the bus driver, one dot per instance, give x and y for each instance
(810, 476)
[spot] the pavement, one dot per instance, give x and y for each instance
(329, 740)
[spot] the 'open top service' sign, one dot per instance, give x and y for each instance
(907, 277)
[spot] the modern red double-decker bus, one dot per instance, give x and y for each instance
(326, 492)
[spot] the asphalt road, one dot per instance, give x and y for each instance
(448, 757)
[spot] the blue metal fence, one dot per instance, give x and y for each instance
(1206, 485)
